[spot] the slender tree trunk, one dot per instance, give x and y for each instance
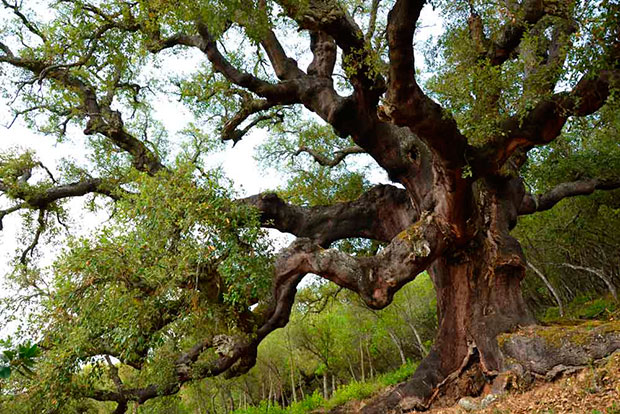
(371, 370)
(351, 370)
(362, 361)
(549, 286)
(399, 347)
(293, 391)
(231, 399)
(325, 393)
(598, 272)
(291, 356)
(301, 387)
(418, 339)
(223, 399)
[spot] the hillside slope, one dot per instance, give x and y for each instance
(594, 390)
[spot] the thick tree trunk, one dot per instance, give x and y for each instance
(477, 300)
(478, 297)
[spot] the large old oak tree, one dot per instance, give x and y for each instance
(170, 290)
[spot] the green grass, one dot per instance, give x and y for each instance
(583, 307)
(614, 409)
(353, 391)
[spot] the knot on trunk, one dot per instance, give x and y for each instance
(224, 345)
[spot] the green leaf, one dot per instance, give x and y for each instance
(5, 372)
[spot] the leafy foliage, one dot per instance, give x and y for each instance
(20, 359)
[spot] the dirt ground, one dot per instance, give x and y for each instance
(594, 390)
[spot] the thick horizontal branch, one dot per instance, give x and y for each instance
(379, 214)
(375, 278)
(76, 189)
(534, 203)
(42, 199)
(339, 155)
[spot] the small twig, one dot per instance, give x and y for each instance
(9, 211)
(40, 229)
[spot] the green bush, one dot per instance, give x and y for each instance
(352, 391)
(551, 314)
(308, 404)
(263, 408)
(597, 308)
(400, 375)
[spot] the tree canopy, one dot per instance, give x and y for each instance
(515, 109)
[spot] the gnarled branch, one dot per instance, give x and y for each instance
(324, 52)
(231, 132)
(332, 19)
(339, 155)
(29, 24)
(101, 118)
(284, 67)
(41, 200)
(534, 203)
(37, 235)
(406, 103)
(506, 41)
(378, 214)
(375, 278)
(282, 93)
